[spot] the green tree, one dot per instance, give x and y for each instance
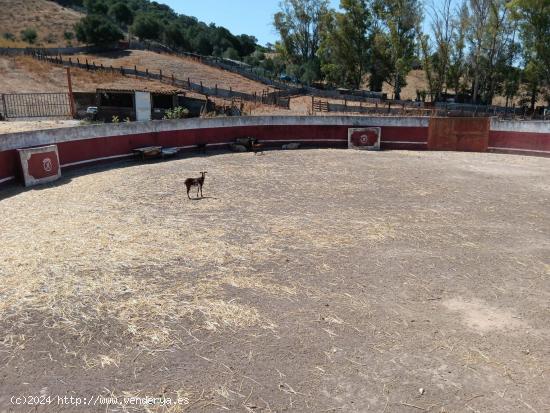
(299, 23)
(97, 30)
(29, 35)
(457, 64)
(427, 64)
(533, 17)
(175, 37)
(443, 32)
(345, 45)
(400, 19)
(96, 7)
(203, 45)
(247, 44)
(159, 22)
(67, 35)
(231, 53)
(121, 13)
(381, 62)
(147, 26)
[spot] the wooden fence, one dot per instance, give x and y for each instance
(269, 98)
(279, 98)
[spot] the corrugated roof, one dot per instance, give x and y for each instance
(148, 90)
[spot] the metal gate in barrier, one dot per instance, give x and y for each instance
(35, 105)
(459, 134)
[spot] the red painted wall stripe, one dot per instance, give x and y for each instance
(519, 140)
(9, 164)
(404, 134)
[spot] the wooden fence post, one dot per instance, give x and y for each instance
(71, 96)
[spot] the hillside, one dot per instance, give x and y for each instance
(49, 19)
(24, 74)
(181, 67)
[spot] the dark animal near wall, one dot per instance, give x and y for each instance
(256, 147)
(198, 182)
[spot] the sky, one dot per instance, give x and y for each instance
(253, 17)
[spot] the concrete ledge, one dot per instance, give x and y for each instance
(50, 136)
(110, 142)
(534, 126)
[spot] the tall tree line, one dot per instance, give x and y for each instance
(471, 49)
(107, 21)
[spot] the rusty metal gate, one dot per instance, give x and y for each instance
(35, 105)
(459, 134)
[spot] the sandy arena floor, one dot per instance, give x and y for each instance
(306, 281)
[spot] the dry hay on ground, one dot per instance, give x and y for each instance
(305, 281)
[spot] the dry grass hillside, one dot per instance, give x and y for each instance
(416, 80)
(181, 67)
(24, 74)
(49, 19)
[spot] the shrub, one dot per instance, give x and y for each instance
(147, 27)
(50, 38)
(231, 53)
(97, 30)
(121, 13)
(29, 35)
(9, 36)
(177, 113)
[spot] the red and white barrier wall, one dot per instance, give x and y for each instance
(520, 137)
(82, 145)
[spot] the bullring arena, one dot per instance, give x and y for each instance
(317, 280)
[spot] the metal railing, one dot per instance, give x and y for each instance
(35, 105)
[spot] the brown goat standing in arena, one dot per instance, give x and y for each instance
(198, 182)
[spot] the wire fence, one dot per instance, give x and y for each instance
(35, 105)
